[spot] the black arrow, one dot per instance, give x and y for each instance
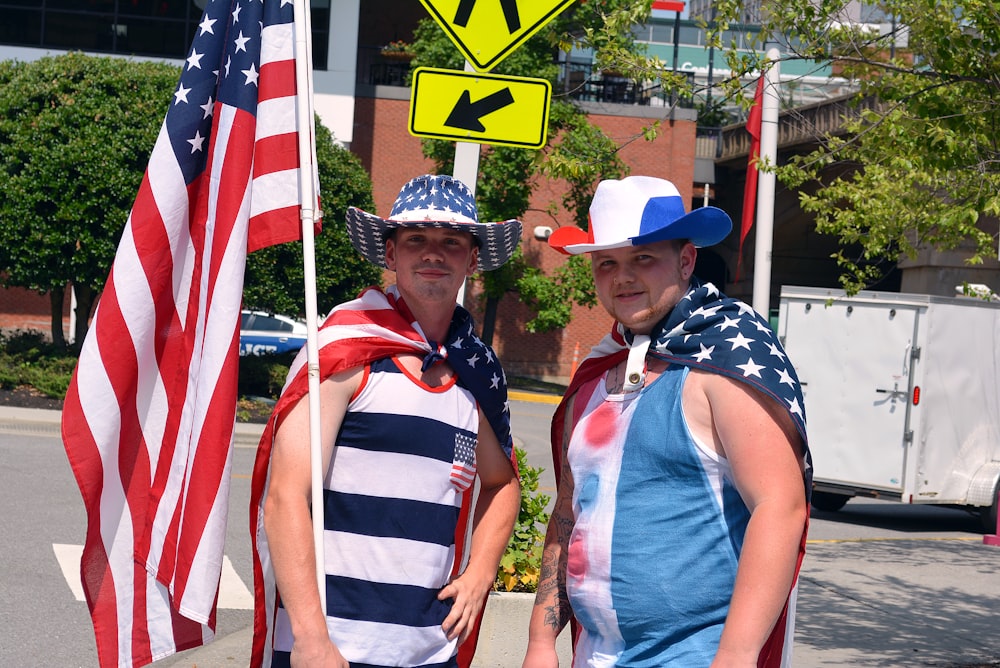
(510, 14)
(467, 113)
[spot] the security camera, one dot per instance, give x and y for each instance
(542, 232)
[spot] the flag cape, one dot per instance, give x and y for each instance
(374, 326)
(714, 333)
(149, 415)
(750, 189)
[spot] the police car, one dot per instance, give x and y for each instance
(264, 333)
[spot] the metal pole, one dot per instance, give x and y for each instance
(765, 188)
(307, 193)
(466, 169)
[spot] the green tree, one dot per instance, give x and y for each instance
(920, 168)
(274, 275)
(75, 135)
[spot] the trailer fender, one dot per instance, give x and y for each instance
(983, 487)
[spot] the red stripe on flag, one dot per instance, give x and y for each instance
(277, 79)
(271, 227)
(277, 153)
(750, 189)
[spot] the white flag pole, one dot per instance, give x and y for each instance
(466, 169)
(766, 180)
(307, 191)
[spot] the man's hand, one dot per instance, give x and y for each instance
(319, 654)
(468, 599)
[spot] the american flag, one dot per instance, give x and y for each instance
(750, 189)
(149, 415)
(463, 468)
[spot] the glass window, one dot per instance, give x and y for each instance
(692, 35)
(21, 26)
(152, 37)
(177, 9)
(84, 6)
(662, 33)
(68, 30)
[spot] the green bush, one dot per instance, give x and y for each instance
(263, 375)
(27, 359)
(521, 563)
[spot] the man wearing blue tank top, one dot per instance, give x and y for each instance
(680, 452)
(414, 412)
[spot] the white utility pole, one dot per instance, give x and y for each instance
(765, 188)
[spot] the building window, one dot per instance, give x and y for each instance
(158, 28)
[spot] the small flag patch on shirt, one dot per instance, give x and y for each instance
(463, 468)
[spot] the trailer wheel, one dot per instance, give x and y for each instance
(829, 501)
(988, 515)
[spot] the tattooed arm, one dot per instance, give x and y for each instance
(552, 610)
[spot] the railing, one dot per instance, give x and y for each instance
(578, 82)
(800, 125)
(378, 69)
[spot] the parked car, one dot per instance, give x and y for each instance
(269, 334)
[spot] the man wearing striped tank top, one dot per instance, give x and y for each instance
(413, 414)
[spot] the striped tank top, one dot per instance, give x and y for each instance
(404, 459)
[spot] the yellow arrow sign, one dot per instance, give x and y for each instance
(479, 108)
(487, 31)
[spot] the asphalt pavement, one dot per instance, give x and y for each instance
(883, 584)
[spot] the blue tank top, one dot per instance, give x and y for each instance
(659, 529)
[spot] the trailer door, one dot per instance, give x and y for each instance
(854, 361)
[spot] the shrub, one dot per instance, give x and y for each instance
(521, 563)
(263, 375)
(28, 359)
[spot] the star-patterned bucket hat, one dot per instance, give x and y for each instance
(641, 210)
(433, 201)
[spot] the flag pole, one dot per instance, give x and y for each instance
(763, 238)
(308, 215)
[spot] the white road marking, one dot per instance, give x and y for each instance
(233, 594)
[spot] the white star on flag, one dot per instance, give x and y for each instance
(740, 341)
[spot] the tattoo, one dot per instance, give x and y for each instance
(552, 581)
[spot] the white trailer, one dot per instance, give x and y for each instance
(902, 395)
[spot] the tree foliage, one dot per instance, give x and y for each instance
(918, 169)
(75, 135)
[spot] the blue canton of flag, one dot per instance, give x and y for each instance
(479, 370)
(725, 335)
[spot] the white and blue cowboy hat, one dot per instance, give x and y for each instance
(433, 201)
(641, 210)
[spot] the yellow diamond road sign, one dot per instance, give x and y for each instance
(479, 108)
(487, 31)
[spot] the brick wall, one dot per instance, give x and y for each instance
(22, 309)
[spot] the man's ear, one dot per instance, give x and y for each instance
(473, 262)
(390, 253)
(688, 257)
